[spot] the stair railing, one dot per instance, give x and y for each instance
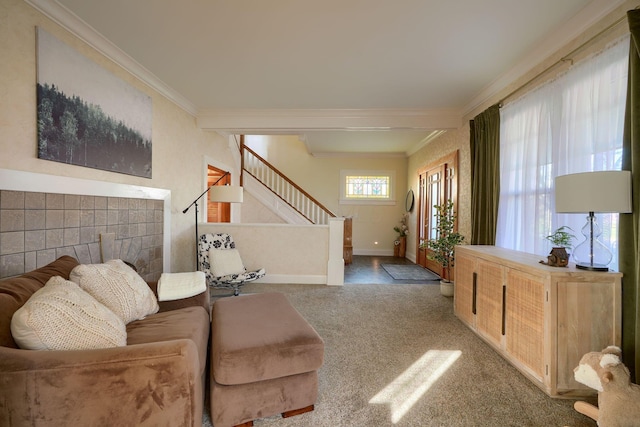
(284, 188)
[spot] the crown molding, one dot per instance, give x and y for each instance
(433, 135)
(251, 121)
(293, 121)
(74, 24)
(545, 49)
(359, 155)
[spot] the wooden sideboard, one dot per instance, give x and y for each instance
(541, 319)
(347, 247)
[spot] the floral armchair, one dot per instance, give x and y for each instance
(221, 263)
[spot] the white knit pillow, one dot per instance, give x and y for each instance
(118, 287)
(61, 316)
(225, 261)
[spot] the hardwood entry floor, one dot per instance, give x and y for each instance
(368, 269)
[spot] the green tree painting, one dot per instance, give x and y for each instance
(87, 116)
(72, 131)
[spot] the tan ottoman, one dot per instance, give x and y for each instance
(264, 359)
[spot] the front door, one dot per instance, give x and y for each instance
(438, 184)
(431, 193)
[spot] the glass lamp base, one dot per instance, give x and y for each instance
(592, 267)
(592, 254)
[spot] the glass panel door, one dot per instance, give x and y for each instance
(438, 184)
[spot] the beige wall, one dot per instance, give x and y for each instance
(320, 177)
(254, 212)
(450, 142)
(301, 257)
(179, 146)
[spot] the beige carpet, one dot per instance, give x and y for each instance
(407, 336)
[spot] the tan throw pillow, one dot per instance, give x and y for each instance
(225, 261)
(61, 316)
(118, 287)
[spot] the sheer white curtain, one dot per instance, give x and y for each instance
(571, 124)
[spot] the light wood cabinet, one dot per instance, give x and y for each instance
(541, 319)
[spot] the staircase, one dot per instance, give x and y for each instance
(274, 189)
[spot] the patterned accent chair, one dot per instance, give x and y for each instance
(239, 274)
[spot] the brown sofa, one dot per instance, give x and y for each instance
(157, 379)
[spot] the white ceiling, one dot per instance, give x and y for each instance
(350, 75)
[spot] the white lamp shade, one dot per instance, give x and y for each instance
(602, 192)
(226, 194)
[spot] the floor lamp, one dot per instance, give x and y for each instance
(593, 192)
(217, 193)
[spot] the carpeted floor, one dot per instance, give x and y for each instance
(409, 272)
(397, 356)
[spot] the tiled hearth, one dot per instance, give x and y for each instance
(36, 228)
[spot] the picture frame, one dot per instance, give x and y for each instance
(87, 116)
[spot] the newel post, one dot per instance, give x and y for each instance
(335, 265)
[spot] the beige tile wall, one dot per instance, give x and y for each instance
(36, 228)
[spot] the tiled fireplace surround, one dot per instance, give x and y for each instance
(38, 227)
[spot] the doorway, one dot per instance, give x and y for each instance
(218, 211)
(438, 184)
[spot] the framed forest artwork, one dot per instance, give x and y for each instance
(87, 116)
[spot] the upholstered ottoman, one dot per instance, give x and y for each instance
(264, 359)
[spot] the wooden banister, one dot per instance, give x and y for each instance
(283, 187)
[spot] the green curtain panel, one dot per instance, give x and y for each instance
(485, 175)
(629, 235)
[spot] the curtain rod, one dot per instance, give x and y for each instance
(562, 60)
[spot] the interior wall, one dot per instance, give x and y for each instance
(179, 147)
(320, 177)
(301, 257)
(254, 212)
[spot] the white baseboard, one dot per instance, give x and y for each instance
(373, 252)
(309, 279)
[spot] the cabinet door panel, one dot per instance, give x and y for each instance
(489, 300)
(586, 322)
(463, 290)
(524, 320)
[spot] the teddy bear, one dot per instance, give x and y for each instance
(618, 397)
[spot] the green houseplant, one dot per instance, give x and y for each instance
(561, 240)
(443, 246)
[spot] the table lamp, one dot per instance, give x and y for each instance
(593, 192)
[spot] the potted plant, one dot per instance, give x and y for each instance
(561, 240)
(401, 242)
(443, 246)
